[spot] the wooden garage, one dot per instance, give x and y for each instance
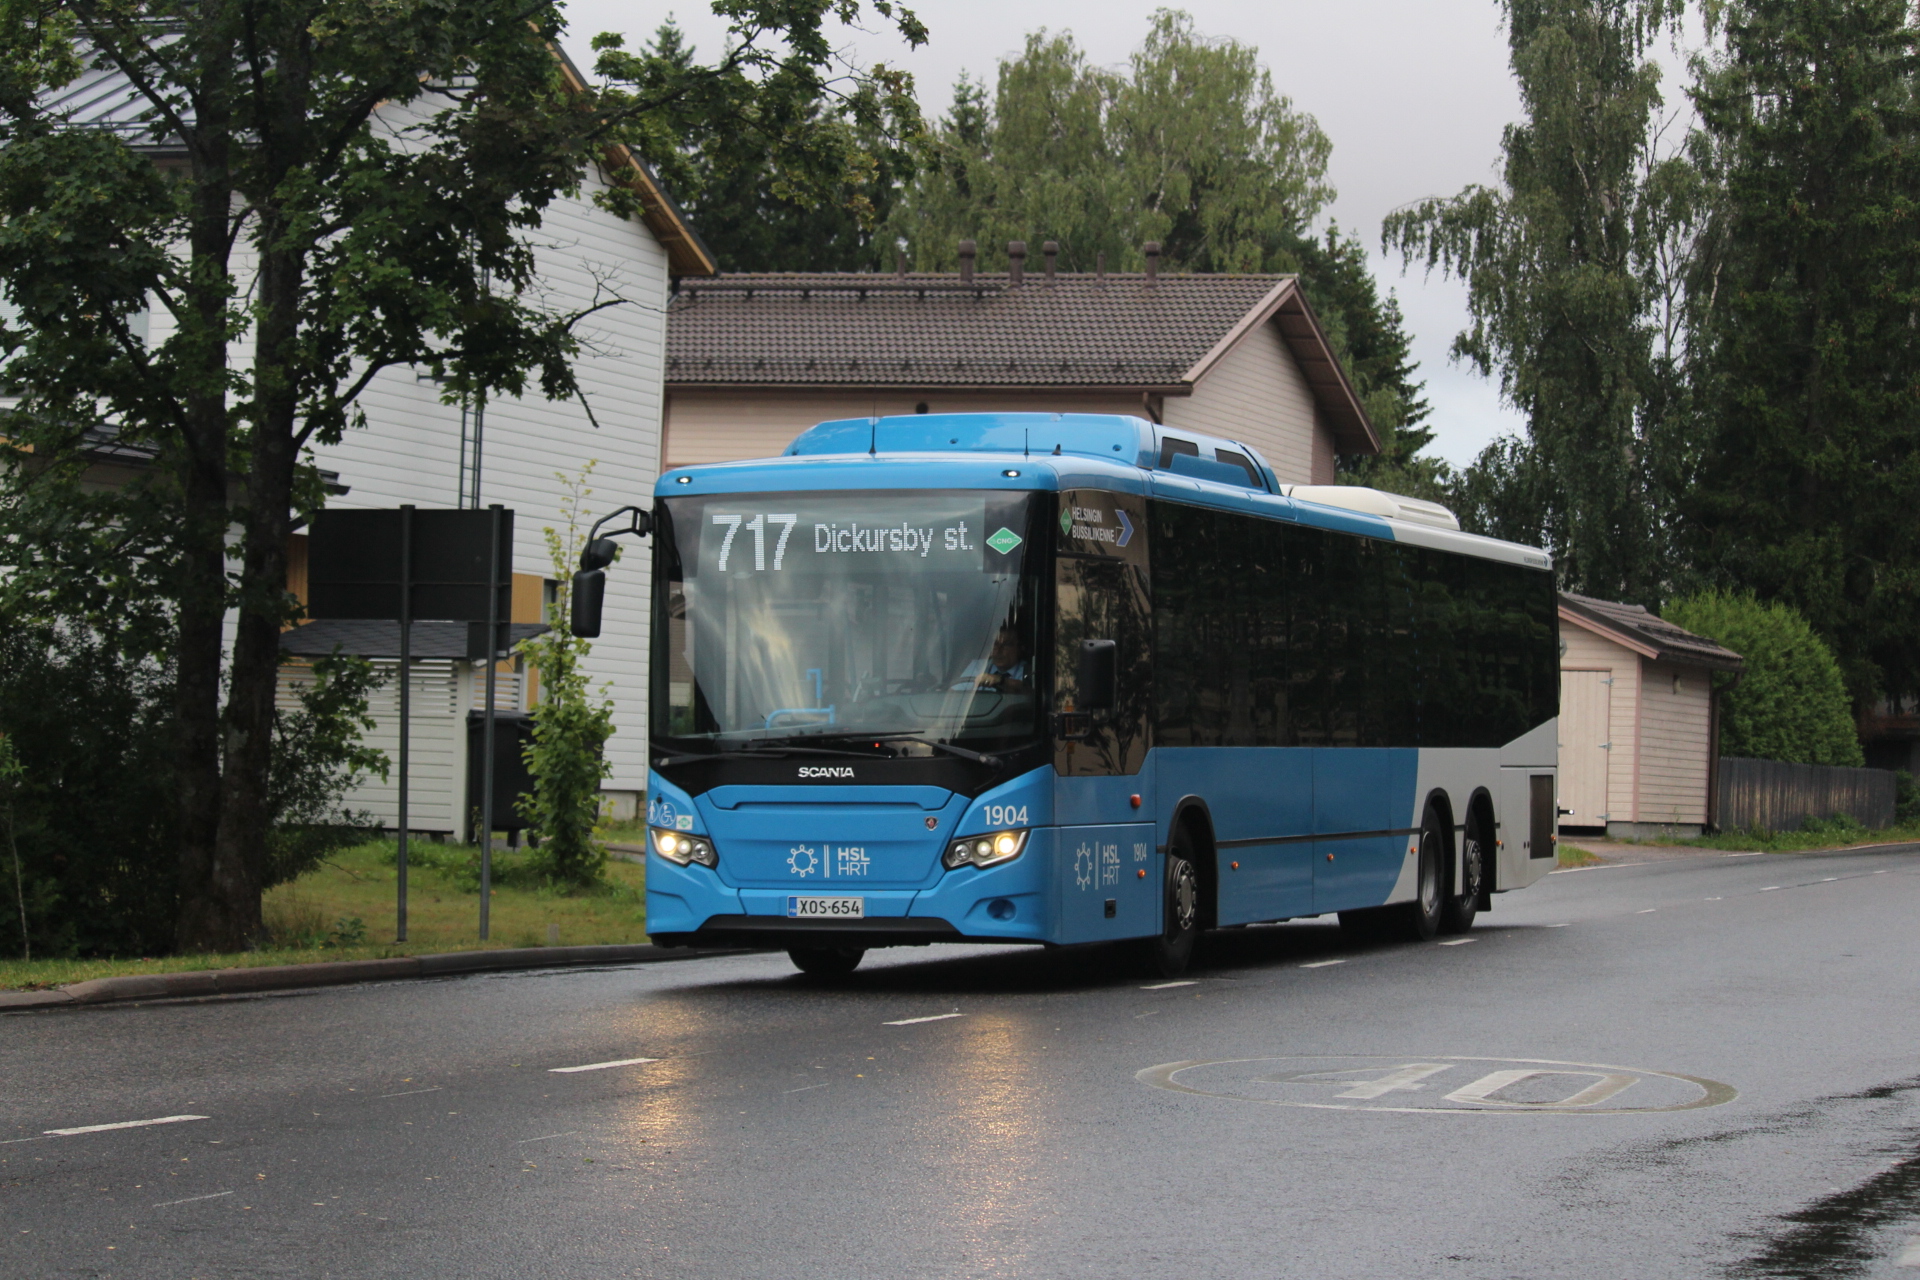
(1638, 728)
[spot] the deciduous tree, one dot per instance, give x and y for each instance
(338, 184)
(1809, 376)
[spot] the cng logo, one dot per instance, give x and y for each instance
(1443, 1084)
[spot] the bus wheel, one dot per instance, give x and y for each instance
(1457, 916)
(826, 962)
(1423, 913)
(1167, 955)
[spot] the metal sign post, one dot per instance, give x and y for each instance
(486, 729)
(405, 565)
(406, 705)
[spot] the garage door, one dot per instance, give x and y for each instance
(1585, 740)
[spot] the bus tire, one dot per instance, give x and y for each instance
(826, 962)
(1422, 915)
(1464, 904)
(1168, 955)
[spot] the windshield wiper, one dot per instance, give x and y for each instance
(768, 749)
(991, 761)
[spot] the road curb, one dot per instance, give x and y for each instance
(293, 977)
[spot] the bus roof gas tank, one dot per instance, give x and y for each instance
(1114, 437)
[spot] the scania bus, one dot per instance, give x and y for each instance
(1070, 679)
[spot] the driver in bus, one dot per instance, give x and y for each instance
(1004, 671)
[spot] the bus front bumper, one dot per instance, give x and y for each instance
(691, 906)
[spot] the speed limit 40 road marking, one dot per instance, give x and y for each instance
(1440, 1083)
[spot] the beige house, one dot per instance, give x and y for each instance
(754, 360)
(1638, 728)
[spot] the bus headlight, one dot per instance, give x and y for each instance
(682, 847)
(985, 850)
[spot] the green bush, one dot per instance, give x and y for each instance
(90, 806)
(571, 725)
(91, 809)
(1791, 703)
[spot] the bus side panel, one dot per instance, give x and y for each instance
(1099, 892)
(1359, 794)
(1457, 773)
(1252, 793)
(1534, 754)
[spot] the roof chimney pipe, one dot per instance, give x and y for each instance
(900, 264)
(1016, 262)
(1050, 251)
(967, 250)
(1100, 269)
(1152, 248)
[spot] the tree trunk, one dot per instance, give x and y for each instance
(201, 584)
(240, 852)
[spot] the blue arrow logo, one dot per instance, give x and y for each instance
(1126, 527)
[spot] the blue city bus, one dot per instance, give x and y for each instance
(1066, 679)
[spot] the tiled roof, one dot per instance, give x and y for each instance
(933, 330)
(1646, 631)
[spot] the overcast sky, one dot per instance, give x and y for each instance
(1413, 94)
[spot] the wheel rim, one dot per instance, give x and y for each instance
(1470, 868)
(1183, 899)
(1429, 872)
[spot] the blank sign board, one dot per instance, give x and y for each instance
(354, 565)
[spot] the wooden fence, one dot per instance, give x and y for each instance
(1772, 796)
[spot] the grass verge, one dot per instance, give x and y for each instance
(1572, 855)
(1813, 835)
(344, 910)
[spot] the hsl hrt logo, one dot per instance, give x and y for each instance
(802, 860)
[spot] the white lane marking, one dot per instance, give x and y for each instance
(571, 1133)
(1770, 888)
(1828, 879)
(408, 1093)
(602, 1066)
(1759, 853)
(1162, 986)
(168, 1204)
(1909, 1256)
(1321, 964)
(123, 1124)
(1646, 911)
(1879, 873)
(1458, 942)
(932, 1017)
(1562, 925)
(1713, 899)
(803, 1088)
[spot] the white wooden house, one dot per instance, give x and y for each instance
(1638, 729)
(516, 452)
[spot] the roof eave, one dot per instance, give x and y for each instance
(687, 254)
(1286, 305)
(1607, 628)
(1003, 388)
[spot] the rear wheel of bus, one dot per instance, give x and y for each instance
(826, 962)
(1475, 851)
(1167, 956)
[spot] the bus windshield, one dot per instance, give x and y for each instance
(853, 614)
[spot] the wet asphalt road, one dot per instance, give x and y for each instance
(1367, 1118)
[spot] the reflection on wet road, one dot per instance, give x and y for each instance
(1694, 1067)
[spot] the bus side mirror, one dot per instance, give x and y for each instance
(1099, 675)
(589, 594)
(598, 554)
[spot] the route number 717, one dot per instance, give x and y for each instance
(758, 528)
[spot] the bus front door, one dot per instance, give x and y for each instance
(1106, 871)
